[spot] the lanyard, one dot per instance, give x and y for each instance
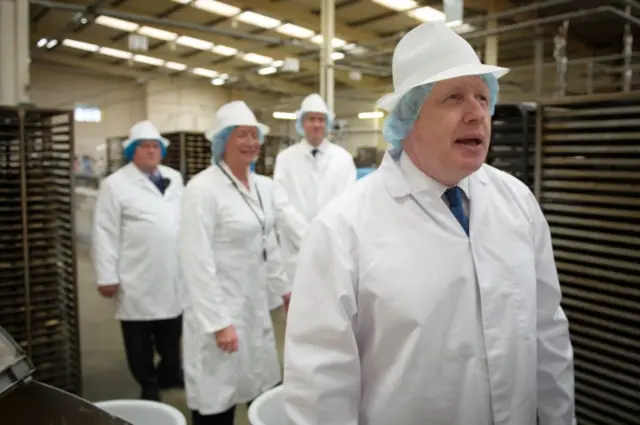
(262, 223)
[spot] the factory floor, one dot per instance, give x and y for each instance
(104, 368)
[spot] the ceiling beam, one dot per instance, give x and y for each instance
(299, 15)
(100, 68)
(272, 84)
(280, 52)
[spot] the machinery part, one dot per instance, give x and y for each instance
(590, 194)
(560, 56)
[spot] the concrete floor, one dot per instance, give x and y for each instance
(104, 368)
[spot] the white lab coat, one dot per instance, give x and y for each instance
(385, 319)
(134, 242)
(226, 281)
(303, 185)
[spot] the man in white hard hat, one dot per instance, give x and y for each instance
(307, 176)
(135, 256)
(428, 293)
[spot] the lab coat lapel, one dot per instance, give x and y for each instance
(480, 199)
(142, 180)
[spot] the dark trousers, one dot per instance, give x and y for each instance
(224, 418)
(142, 339)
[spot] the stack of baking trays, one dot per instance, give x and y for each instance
(272, 145)
(174, 155)
(589, 189)
(38, 302)
(114, 156)
(196, 154)
(513, 140)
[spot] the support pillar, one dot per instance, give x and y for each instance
(560, 56)
(8, 80)
(538, 62)
(627, 73)
(326, 60)
(491, 42)
(14, 51)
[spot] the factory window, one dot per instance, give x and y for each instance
(87, 114)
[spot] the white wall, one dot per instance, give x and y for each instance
(172, 104)
(121, 100)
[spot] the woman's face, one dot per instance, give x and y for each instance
(243, 145)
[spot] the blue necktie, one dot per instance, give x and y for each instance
(454, 196)
(157, 180)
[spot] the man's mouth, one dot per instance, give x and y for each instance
(469, 142)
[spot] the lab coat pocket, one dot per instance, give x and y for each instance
(521, 276)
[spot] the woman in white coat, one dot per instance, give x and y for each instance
(230, 261)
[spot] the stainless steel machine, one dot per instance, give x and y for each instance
(26, 401)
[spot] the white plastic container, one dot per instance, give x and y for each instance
(268, 408)
(143, 412)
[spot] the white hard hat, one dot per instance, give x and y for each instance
(429, 53)
(233, 114)
(144, 130)
(315, 103)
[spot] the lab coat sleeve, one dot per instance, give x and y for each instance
(106, 234)
(322, 364)
(555, 354)
(197, 260)
(276, 277)
(291, 224)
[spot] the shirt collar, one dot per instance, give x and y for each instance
(322, 147)
(235, 180)
(419, 181)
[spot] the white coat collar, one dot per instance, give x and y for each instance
(322, 147)
(234, 179)
(403, 178)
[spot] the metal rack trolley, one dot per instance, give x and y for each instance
(588, 184)
(38, 292)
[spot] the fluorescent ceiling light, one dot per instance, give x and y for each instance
(121, 54)
(203, 72)
(370, 115)
(336, 56)
(175, 66)
(117, 24)
(148, 60)
(223, 76)
(256, 58)
(81, 45)
(181, 1)
(284, 115)
(52, 43)
(354, 49)
(42, 42)
(217, 81)
(258, 20)
(224, 50)
(277, 64)
(295, 31)
(194, 43)
(397, 5)
(268, 70)
(157, 33)
(426, 14)
(216, 7)
(318, 39)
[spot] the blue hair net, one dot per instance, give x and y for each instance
(219, 142)
(300, 118)
(130, 150)
(400, 122)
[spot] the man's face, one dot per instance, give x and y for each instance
(450, 139)
(314, 125)
(148, 154)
